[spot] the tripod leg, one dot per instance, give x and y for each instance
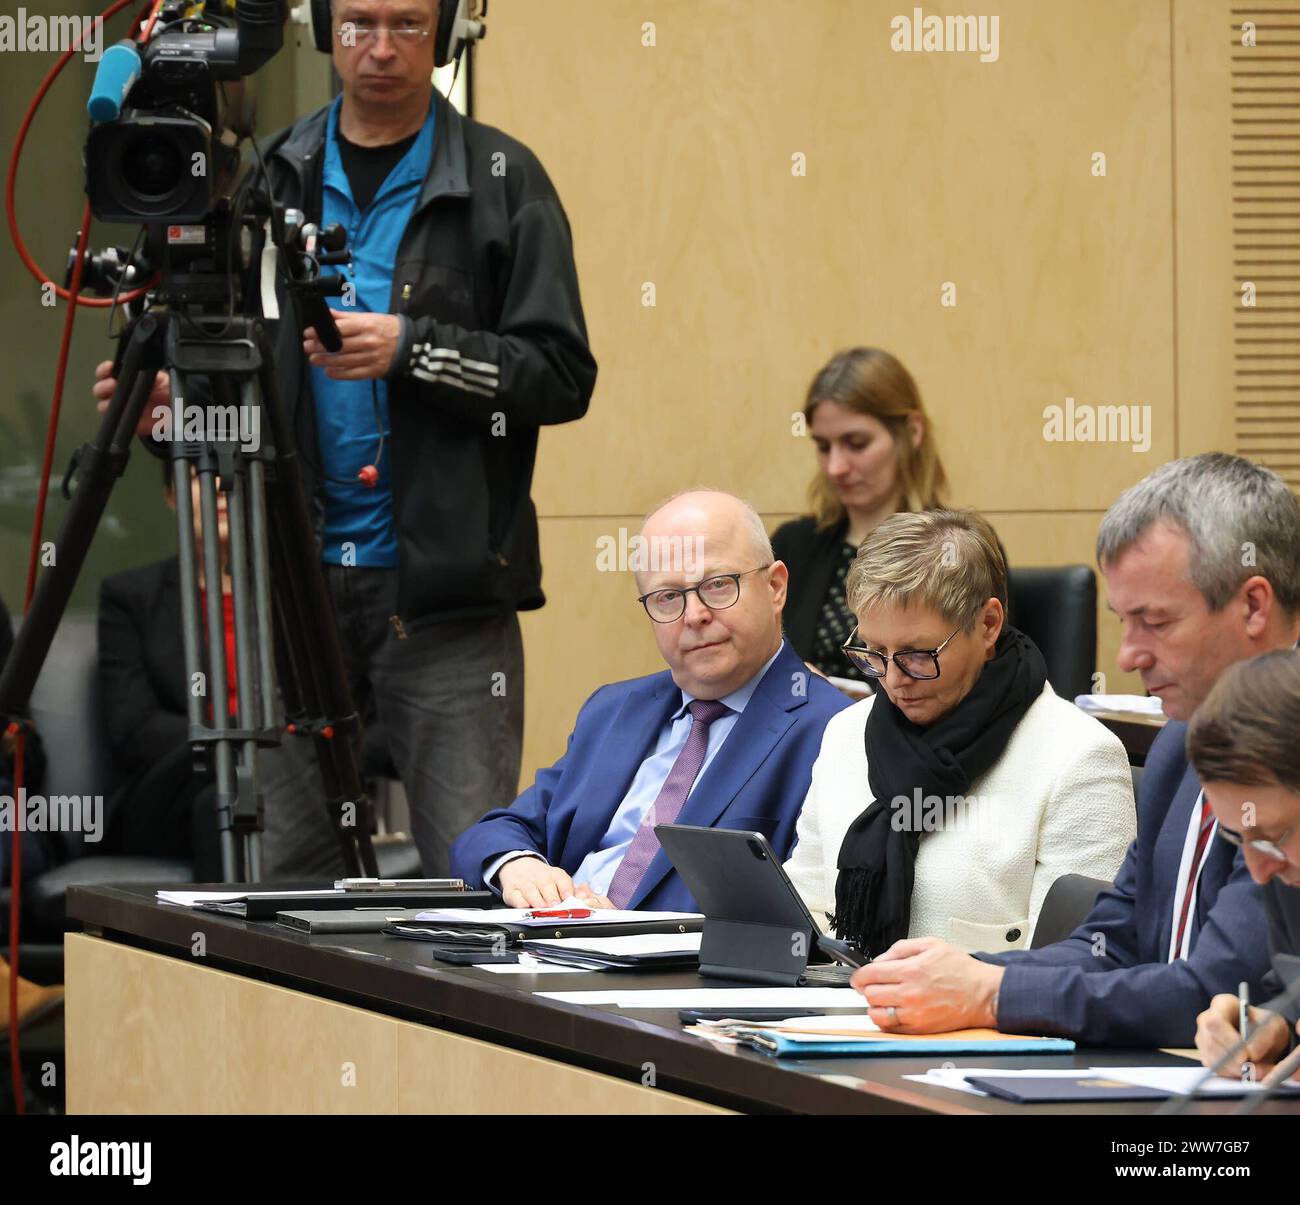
(311, 641)
(304, 696)
(248, 815)
(223, 752)
(100, 463)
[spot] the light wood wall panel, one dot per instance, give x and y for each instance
(1237, 127)
(675, 165)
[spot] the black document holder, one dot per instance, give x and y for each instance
(756, 927)
(265, 907)
(511, 934)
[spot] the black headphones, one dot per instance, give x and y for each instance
(455, 30)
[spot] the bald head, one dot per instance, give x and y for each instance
(697, 536)
(702, 517)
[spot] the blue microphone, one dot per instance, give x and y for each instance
(118, 70)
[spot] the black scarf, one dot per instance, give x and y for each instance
(873, 894)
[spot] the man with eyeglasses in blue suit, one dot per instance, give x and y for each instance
(725, 737)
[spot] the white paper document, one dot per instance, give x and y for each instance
(824, 1029)
(631, 943)
(1176, 1080)
(718, 997)
(524, 916)
(955, 1077)
(1131, 704)
(530, 966)
(188, 899)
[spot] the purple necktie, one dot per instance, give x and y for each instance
(668, 803)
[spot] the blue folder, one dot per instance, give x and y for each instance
(780, 1045)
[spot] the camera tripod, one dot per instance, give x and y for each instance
(283, 616)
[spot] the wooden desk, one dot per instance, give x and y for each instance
(174, 1011)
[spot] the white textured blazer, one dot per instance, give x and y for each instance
(1058, 801)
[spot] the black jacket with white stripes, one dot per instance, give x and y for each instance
(494, 346)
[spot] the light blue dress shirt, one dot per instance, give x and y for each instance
(598, 867)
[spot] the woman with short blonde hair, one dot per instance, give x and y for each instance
(949, 802)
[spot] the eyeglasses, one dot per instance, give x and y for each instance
(1270, 849)
(716, 593)
(921, 664)
(407, 34)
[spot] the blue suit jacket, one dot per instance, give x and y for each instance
(757, 780)
(1110, 982)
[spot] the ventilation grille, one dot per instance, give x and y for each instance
(1266, 237)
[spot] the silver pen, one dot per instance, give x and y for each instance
(1243, 1003)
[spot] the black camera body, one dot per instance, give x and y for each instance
(174, 152)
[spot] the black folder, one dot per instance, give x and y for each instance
(265, 907)
(497, 934)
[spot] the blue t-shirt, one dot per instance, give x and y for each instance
(359, 519)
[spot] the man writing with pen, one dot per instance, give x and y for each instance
(1243, 744)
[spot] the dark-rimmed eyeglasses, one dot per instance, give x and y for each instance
(921, 664)
(717, 593)
(1270, 849)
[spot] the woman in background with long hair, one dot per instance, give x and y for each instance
(876, 456)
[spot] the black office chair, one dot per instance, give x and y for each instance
(1068, 902)
(1057, 609)
(65, 707)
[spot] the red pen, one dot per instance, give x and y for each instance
(561, 914)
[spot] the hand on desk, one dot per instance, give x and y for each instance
(1217, 1032)
(590, 898)
(931, 986)
(531, 883)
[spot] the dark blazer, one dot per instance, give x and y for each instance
(142, 670)
(1110, 982)
(757, 780)
(811, 556)
(1282, 903)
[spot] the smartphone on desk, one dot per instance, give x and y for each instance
(399, 885)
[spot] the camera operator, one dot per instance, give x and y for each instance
(464, 336)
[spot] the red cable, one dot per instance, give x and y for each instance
(65, 346)
(11, 210)
(153, 17)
